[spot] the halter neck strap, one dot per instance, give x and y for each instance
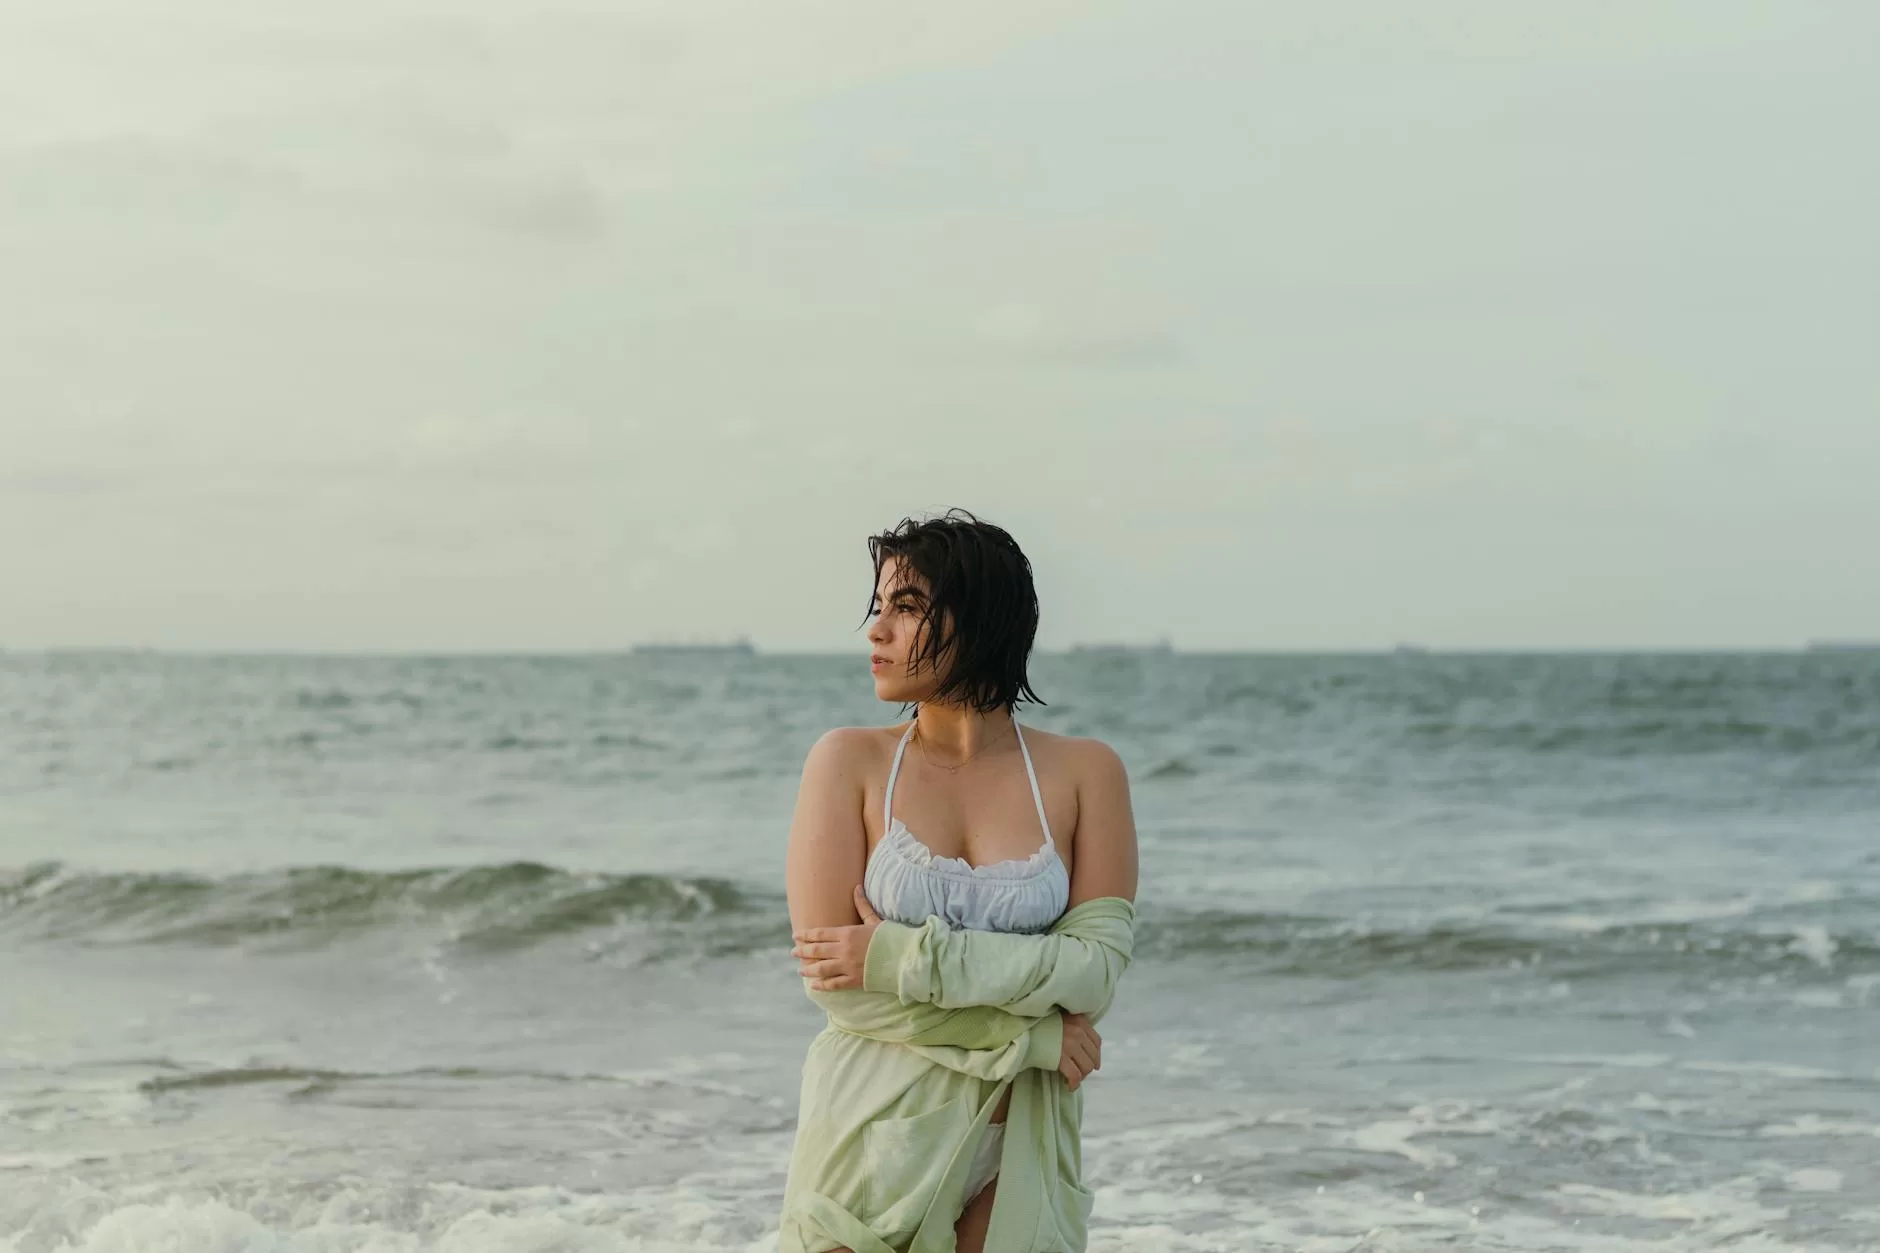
(1031, 773)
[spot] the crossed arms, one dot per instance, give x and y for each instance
(1001, 994)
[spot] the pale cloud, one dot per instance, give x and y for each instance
(490, 324)
(1096, 338)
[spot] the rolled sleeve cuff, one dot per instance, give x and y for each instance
(887, 955)
(1044, 1043)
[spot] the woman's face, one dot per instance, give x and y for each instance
(895, 632)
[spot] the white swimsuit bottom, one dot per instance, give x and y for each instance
(986, 1160)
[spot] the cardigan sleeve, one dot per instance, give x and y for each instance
(1074, 967)
(970, 1039)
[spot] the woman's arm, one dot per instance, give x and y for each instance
(1074, 968)
(828, 846)
(1105, 861)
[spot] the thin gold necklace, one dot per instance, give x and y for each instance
(951, 769)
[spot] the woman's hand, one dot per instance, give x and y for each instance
(1083, 1050)
(831, 957)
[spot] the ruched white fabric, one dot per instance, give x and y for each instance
(907, 882)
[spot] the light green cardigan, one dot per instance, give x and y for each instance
(900, 1085)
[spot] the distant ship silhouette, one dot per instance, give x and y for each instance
(740, 647)
(1159, 648)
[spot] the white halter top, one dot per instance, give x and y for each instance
(907, 882)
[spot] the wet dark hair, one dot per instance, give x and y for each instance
(980, 599)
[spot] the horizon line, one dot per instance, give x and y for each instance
(1094, 649)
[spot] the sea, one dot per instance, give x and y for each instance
(489, 954)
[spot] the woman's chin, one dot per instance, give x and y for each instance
(895, 693)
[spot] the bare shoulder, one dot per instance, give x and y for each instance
(1100, 760)
(1102, 782)
(850, 751)
(1104, 822)
(1089, 760)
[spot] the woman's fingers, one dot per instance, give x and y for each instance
(824, 948)
(1083, 1050)
(823, 952)
(1077, 1047)
(825, 970)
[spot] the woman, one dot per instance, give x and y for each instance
(962, 896)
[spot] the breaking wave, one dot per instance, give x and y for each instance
(521, 905)
(507, 906)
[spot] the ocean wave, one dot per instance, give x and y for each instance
(520, 905)
(312, 1080)
(506, 906)
(1291, 944)
(1648, 736)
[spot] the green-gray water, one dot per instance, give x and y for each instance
(480, 954)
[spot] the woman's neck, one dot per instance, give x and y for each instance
(957, 732)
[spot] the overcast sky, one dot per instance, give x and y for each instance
(457, 324)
